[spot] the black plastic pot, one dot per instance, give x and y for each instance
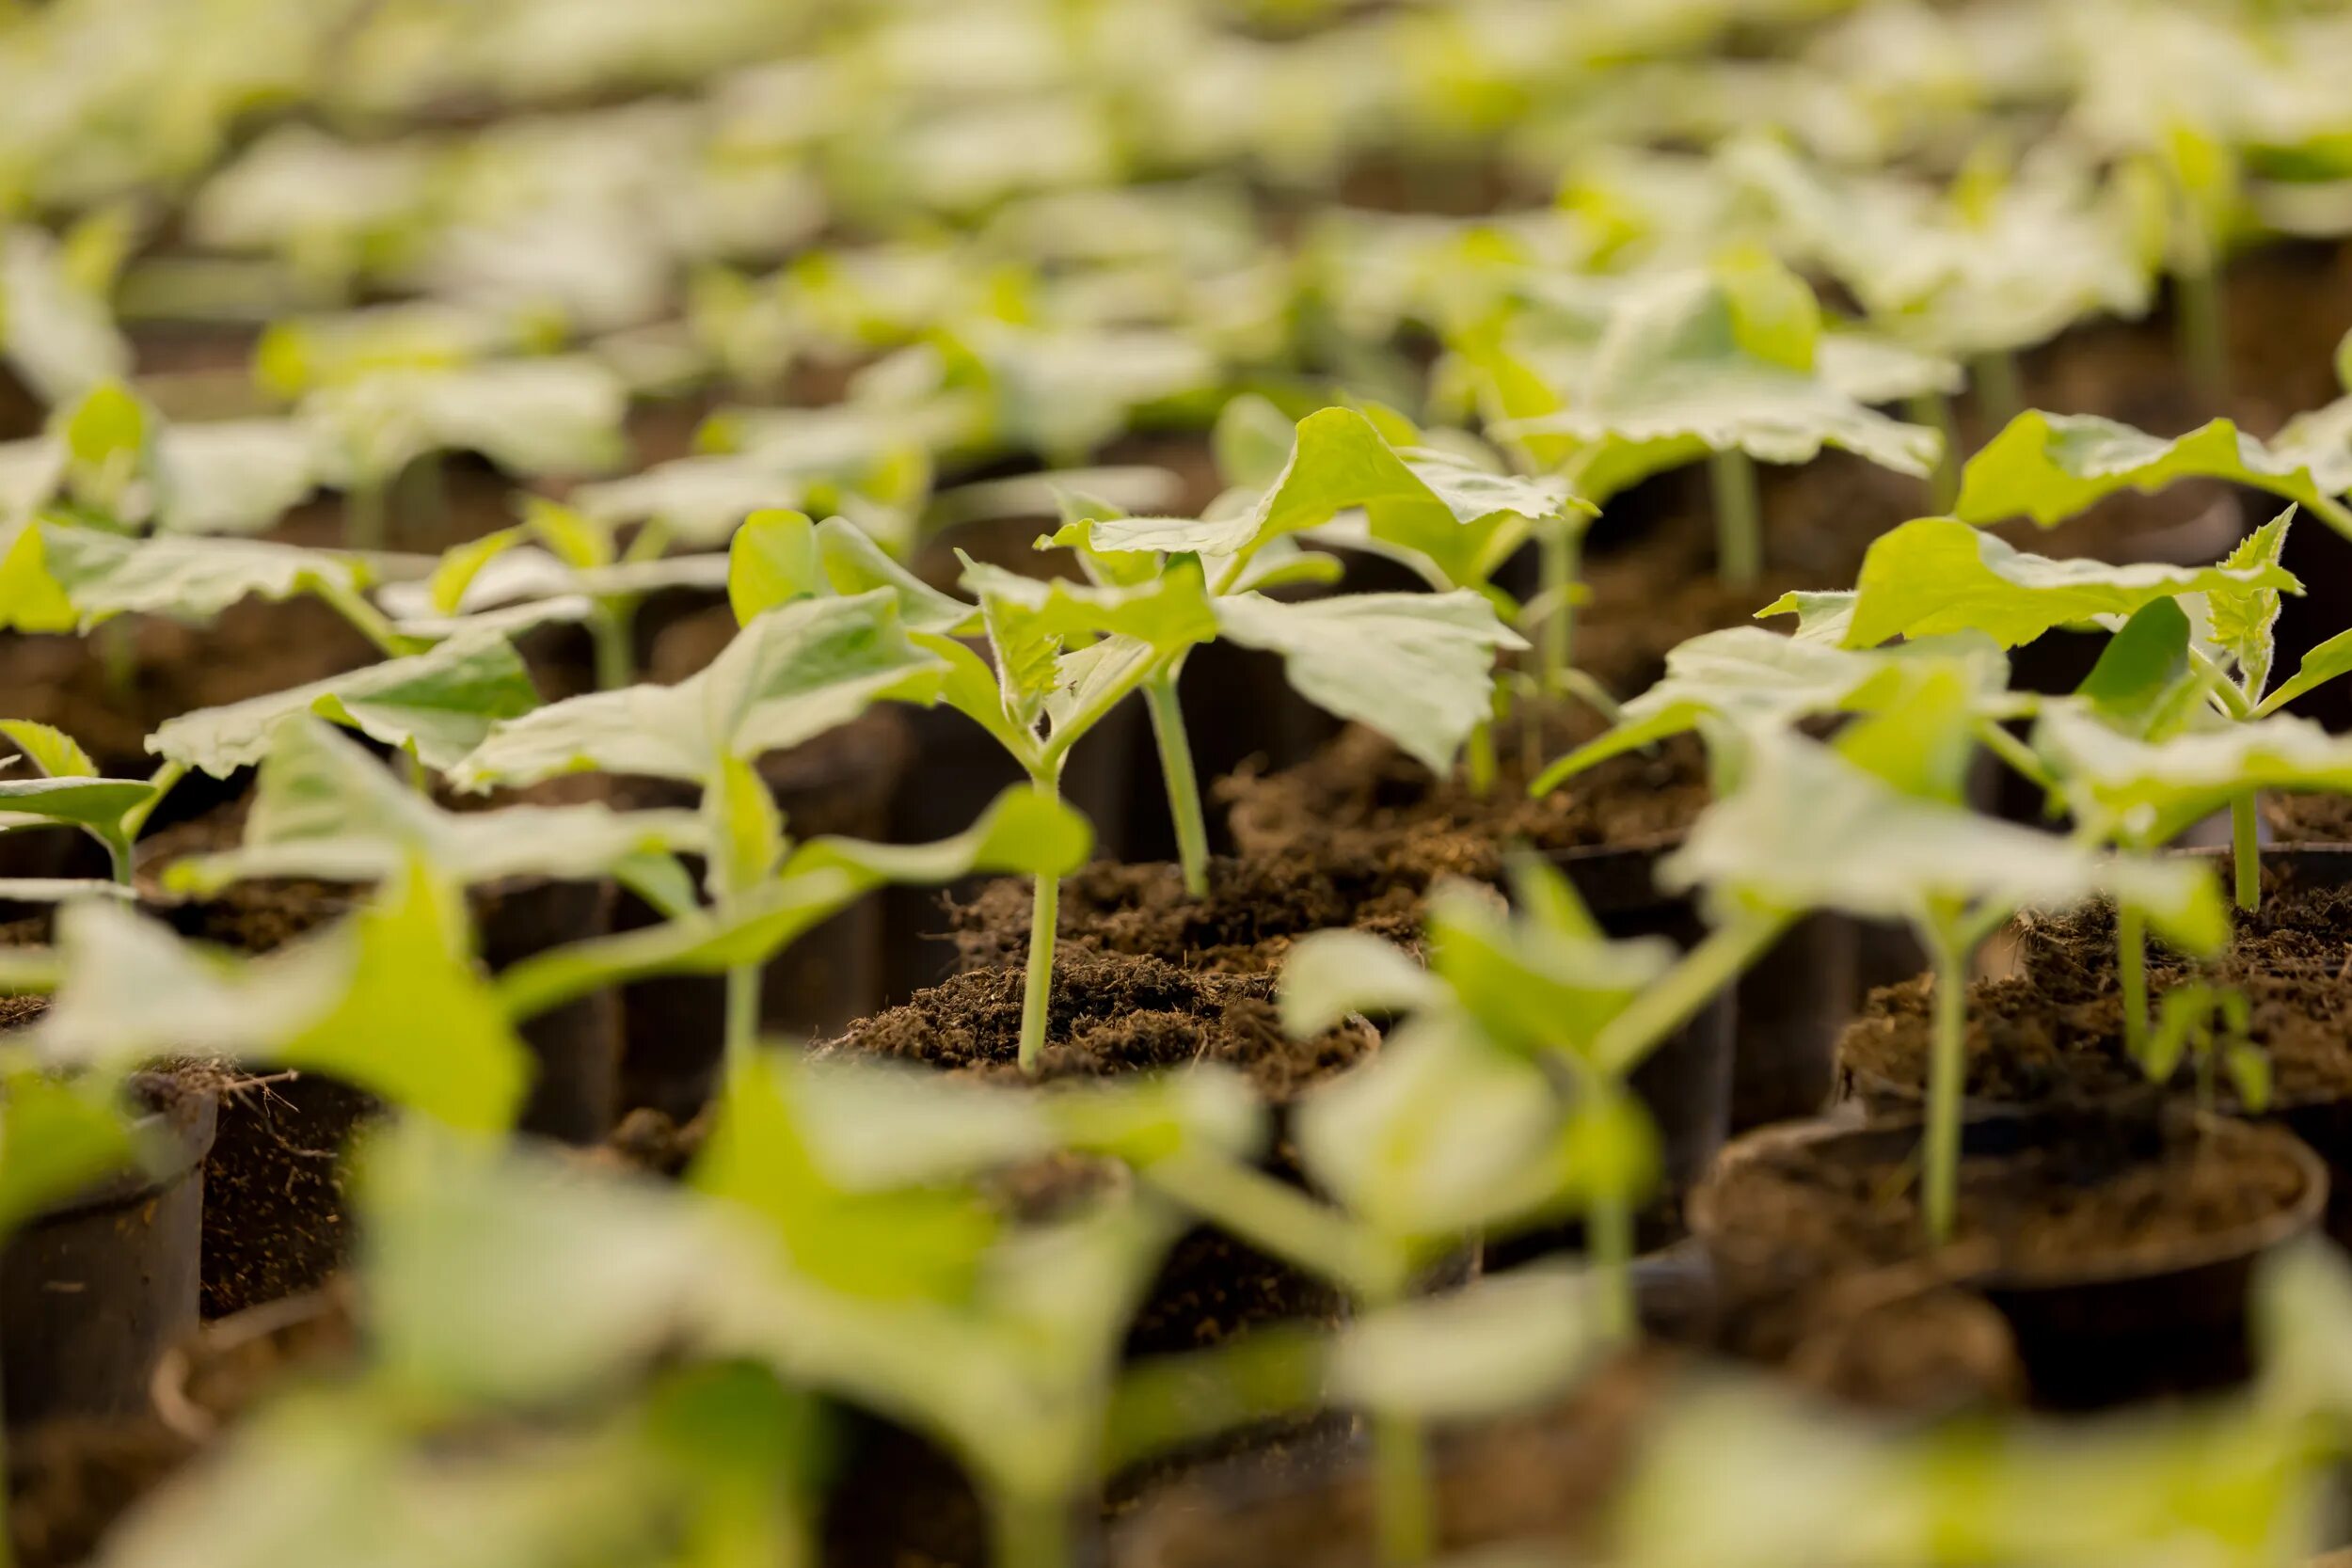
(576, 1047)
(2098, 1330)
(94, 1290)
(1791, 1007)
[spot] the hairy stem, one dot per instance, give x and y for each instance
(365, 619)
(2246, 849)
(1934, 410)
(1027, 1531)
(1739, 517)
(743, 1027)
(1942, 1154)
(2131, 940)
(1558, 550)
(1184, 788)
(2000, 392)
(1044, 914)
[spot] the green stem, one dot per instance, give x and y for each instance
(616, 655)
(2018, 756)
(1609, 1250)
(2246, 849)
(1558, 548)
(1944, 1061)
(1184, 788)
(1403, 1502)
(1026, 1531)
(1277, 1218)
(365, 619)
(1934, 410)
(1679, 995)
(2131, 940)
(1478, 760)
(742, 1025)
(161, 781)
(117, 657)
(2204, 343)
(1044, 913)
(1739, 518)
(364, 512)
(2000, 392)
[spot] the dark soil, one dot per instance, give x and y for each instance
(2055, 1030)
(1360, 802)
(2309, 818)
(1111, 1014)
(1256, 909)
(2097, 1195)
(275, 1221)
(1540, 1479)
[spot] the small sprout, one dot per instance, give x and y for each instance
(2212, 1025)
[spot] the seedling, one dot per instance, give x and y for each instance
(69, 792)
(1873, 825)
(2212, 1025)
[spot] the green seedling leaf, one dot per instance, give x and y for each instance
(532, 418)
(773, 561)
(1511, 1340)
(326, 808)
(57, 1136)
(2322, 664)
(1809, 829)
(60, 338)
(1328, 976)
(571, 537)
(2147, 792)
(794, 673)
(53, 752)
(1416, 667)
(1933, 575)
(2140, 677)
(782, 557)
(2052, 467)
(440, 704)
(232, 476)
(2246, 627)
(1167, 614)
(1022, 831)
(1748, 676)
(187, 579)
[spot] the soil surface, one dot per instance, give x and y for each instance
(1111, 1013)
(2309, 818)
(2055, 1030)
(2098, 1196)
(1538, 1478)
(1361, 802)
(1256, 909)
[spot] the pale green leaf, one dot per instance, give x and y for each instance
(1023, 831)
(185, 577)
(771, 561)
(57, 1136)
(2148, 792)
(2051, 467)
(1328, 976)
(1506, 1342)
(49, 749)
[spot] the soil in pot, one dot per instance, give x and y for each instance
(1540, 1480)
(2119, 1244)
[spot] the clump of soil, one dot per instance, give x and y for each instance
(2081, 1194)
(1111, 1013)
(1257, 907)
(1361, 801)
(2055, 1030)
(1539, 1479)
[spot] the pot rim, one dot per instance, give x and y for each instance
(181, 1126)
(2245, 1241)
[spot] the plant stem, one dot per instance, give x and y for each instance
(1184, 788)
(742, 1018)
(363, 514)
(2204, 346)
(1739, 517)
(2131, 940)
(616, 657)
(2016, 754)
(1934, 410)
(1942, 1154)
(2000, 394)
(1608, 1252)
(1558, 551)
(1044, 913)
(161, 781)
(1478, 760)
(1694, 981)
(2246, 849)
(365, 619)
(1027, 1531)
(117, 658)
(1406, 1522)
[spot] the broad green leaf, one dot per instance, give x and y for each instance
(1744, 674)
(1506, 1342)
(571, 537)
(1934, 575)
(230, 476)
(1419, 667)
(60, 338)
(1023, 831)
(2245, 626)
(186, 578)
(1809, 829)
(1533, 989)
(1250, 441)
(1167, 614)
(744, 824)
(1327, 975)
(455, 575)
(98, 804)
(794, 673)
(52, 751)
(57, 1135)
(2051, 467)
(2322, 664)
(855, 563)
(2148, 792)
(773, 561)
(107, 434)
(529, 417)
(2139, 678)
(325, 808)
(411, 960)
(438, 704)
